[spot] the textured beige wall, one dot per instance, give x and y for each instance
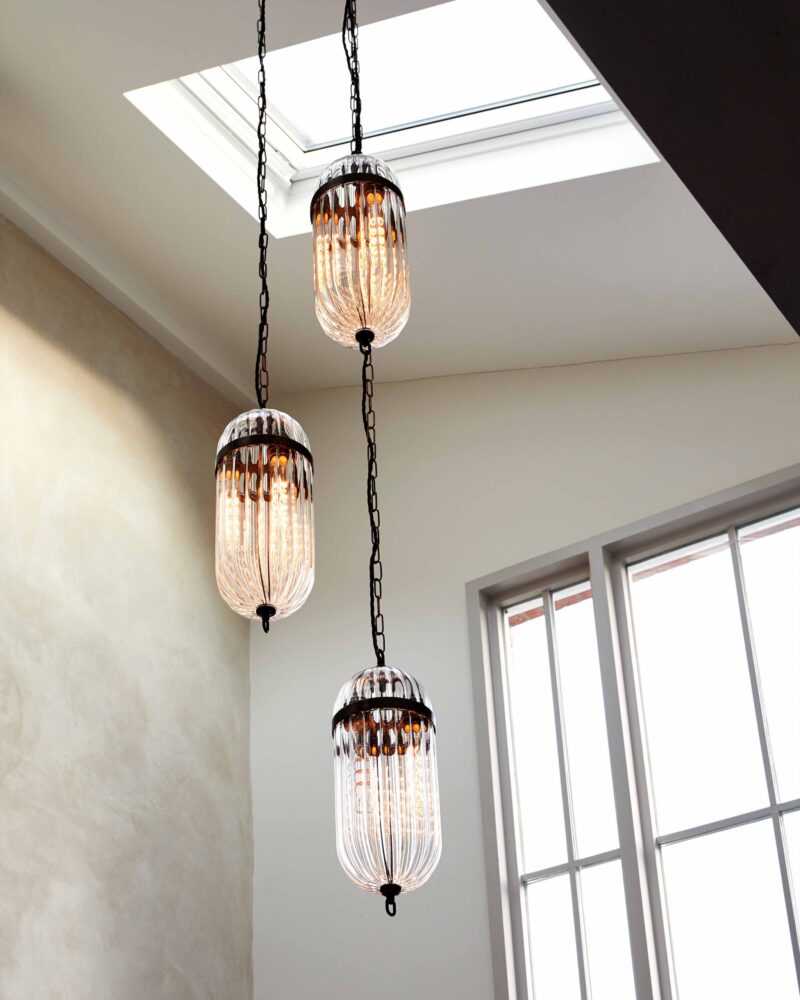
(125, 819)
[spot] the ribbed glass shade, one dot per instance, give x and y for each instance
(388, 830)
(265, 514)
(360, 267)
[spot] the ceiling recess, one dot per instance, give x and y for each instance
(512, 106)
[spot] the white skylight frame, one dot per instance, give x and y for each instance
(526, 140)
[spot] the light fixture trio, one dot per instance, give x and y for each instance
(388, 828)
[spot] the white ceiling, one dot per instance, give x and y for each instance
(611, 266)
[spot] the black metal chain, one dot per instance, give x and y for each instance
(262, 372)
(350, 44)
(365, 338)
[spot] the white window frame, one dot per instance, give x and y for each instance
(603, 560)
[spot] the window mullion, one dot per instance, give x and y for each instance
(566, 794)
(635, 823)
(563, 869)
(515, 918)
(752, 667)
(766, 754)
(715, 826)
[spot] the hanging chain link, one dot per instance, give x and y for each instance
(350, 44)
(364, 339)
(262, 372)
(375, 564)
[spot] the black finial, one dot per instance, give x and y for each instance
(265, 612)
(390, 891)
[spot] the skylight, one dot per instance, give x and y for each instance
(464, 99)
(461, 55)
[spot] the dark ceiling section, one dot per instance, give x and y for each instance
(716, 87)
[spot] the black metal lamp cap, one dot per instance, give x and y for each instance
(390, 891)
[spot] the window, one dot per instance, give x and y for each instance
(507, 54)
(569, 846)
(644, 703)
(511, 106)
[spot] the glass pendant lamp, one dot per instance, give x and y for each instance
(264, 550)
(360, 268)
(265, 515)
(358, 218)
(388, 830)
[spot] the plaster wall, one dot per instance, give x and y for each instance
(475, 473)
(125, 813)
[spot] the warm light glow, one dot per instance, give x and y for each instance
(360, 277)
(265, 521)
(388, 828)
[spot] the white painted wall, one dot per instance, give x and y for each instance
(476, 472)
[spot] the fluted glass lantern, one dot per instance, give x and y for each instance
(360, 267)
(264, 547)
(388, 830)
(265, 515)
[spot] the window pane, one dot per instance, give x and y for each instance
(505, 49)
(605, 922)
(551, 931)
(791, 834)
(771, 565)
(594, 817)
(541, 816)
(700, 719)
(727, 916)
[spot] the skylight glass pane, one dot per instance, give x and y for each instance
(551, 931)
(702, 739)
(771, 564)
(533, 737)
(594, 816)
(441, 60)
(727, 917)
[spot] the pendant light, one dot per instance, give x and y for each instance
(264, 469)
(358, 218)
(388, 829)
